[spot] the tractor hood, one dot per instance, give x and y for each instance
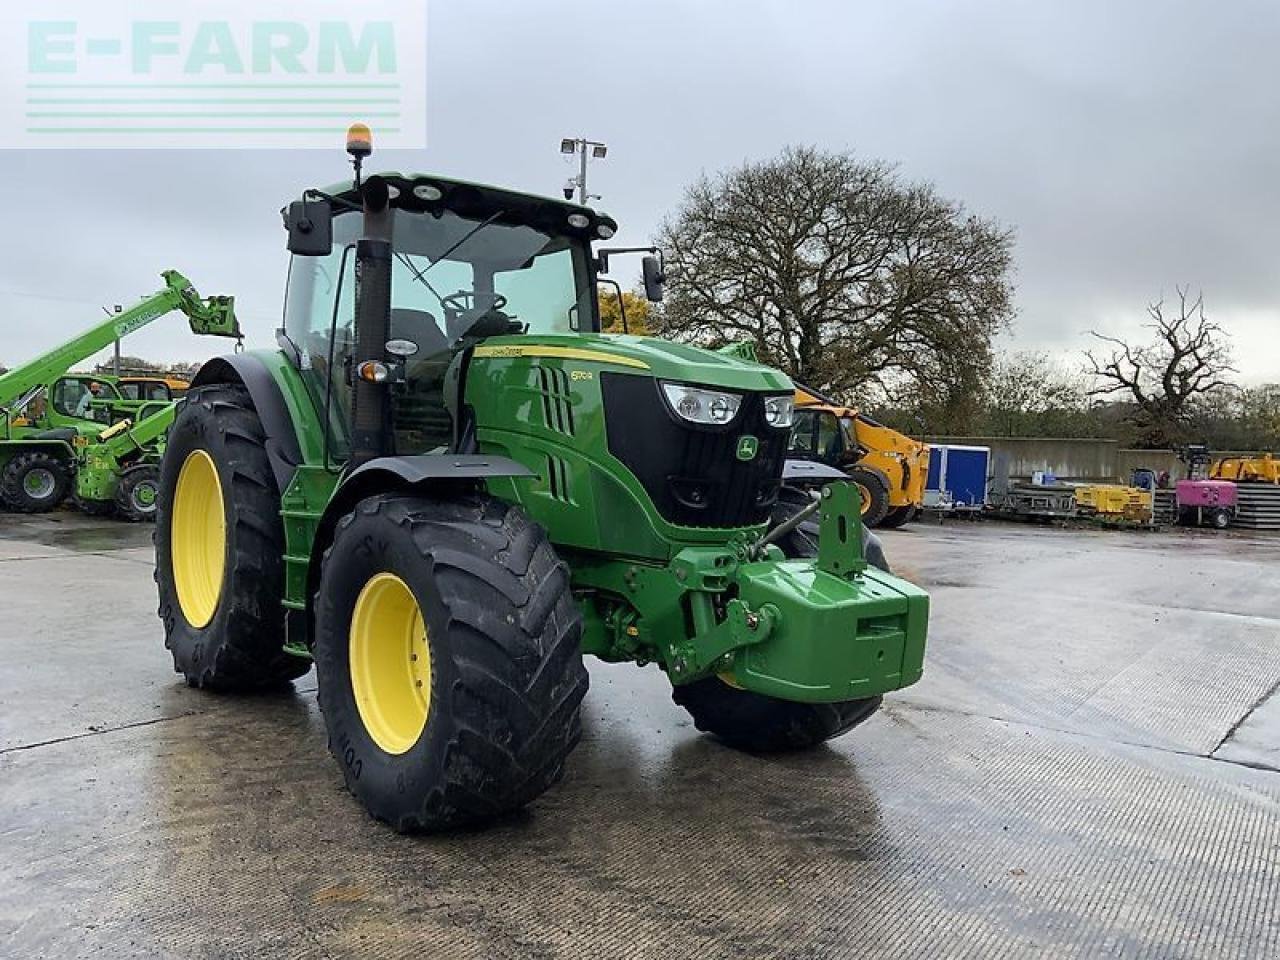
(657, 358)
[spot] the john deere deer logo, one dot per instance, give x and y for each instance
(748, 447)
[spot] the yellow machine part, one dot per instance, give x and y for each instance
(903, 461)
(177, 387)
(1115, 500)
(1260, 469)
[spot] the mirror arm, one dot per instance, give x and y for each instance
(603, 253)
(321, 195)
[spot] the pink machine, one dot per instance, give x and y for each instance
(1206, 501)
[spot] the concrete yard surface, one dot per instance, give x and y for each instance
(1089, 768)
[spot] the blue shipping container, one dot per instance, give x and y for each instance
(960, 473)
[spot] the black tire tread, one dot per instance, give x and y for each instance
(759, 724)
(124, 502)
(11, 492)
(514, 640)
(247, 655)
(878, 508)
(898, 516)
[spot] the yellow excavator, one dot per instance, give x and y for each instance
(888, 467)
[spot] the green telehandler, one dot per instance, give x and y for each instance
(52, 442)
(118, 472)
(446, 486)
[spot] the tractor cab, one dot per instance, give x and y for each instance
(80, 403)
(821, 435)
(467, 262)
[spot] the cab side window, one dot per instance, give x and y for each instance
(67, 395)
(830, 442)
(802, 433)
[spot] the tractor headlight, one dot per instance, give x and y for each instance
(779, 411)
(711, 407)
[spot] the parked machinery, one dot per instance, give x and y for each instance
(1206, 502)
(48, 416)
(1259, 468)
(888, 467)
(1194, 500)
(1114, 502)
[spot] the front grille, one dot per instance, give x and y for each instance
(692, 473)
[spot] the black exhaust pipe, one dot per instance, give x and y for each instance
(371, 434)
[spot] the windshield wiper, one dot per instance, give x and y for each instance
(421, 276)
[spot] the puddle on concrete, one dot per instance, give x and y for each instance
(72, 532)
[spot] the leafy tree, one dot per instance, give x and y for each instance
(1029, 395)
(1260, 417)
(636, 305)
(842, 275)
(1186, 361)
(1239, 419)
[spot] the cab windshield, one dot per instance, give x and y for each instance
(454, 280)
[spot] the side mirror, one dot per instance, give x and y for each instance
(654, 278)
(310, 226)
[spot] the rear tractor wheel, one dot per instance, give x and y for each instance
(220, 548)
(448, 658)
(760, 724)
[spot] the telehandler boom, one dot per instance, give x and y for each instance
(46, 422)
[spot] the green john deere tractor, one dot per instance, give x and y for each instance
(445, 487)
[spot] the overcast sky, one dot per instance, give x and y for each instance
(1131, 145)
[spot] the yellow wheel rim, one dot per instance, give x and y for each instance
(198, 539)
(390, 663)
(864, 497)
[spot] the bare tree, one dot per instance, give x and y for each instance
(841, 275)
(1188, 359)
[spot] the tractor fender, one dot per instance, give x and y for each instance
(250, 372)
(423, 474)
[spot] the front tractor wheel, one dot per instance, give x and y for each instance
(448, 658)
(220, 548)
(759, 724)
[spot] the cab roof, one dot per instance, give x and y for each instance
(428, 192)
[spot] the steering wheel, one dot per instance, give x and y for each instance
(465, 301)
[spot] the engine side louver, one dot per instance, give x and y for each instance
(557, 408)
